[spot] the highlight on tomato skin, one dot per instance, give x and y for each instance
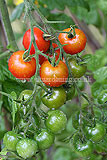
(54, 76)
(74, 44)
(41, 43)
(20, 69)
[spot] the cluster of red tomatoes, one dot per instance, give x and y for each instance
(51, 75)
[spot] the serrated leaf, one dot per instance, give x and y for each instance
(100, 74)
(17, 12)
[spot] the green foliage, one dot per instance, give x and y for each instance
(4, 72)
(100, 74)
(63, 153)
(17, 12)
(97, 87)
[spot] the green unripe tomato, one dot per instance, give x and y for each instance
(10, 140)
(56, 121)
(44, 139)
(77, 69)
(70, 92)
(54, 100)
(95, 134)
(24, 95)
(26, 148)
(84, 149)
(102, 98)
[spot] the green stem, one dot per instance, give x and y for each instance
(4, 54)
(7, 25)
(6, 94)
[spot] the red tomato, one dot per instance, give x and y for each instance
(19, 68)
(54, 76)
(75, 44)
(41, 43)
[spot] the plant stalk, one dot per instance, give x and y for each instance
(7, 26)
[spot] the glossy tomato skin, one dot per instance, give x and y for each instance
(76, 69)
(102, 98)
(19, 68)
(83, 149)
(44, 139)
(42, 44)
(56, 121)
(26, 148)
(54, 100)
(24, 95)
(54, 76)
(74, 45)
(96, 133)
(10, 140)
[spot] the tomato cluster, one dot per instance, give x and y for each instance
(36, 129)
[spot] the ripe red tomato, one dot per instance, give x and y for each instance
(42, 44)
(75, 44)
(19, 68)
(54, 76)
(42, 58)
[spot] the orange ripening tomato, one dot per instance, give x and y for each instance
(19, 68)
(41, 43)
(54, 76)
(74, 44)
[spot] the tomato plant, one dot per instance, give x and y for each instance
(54, 99)
(54, 76)
(41, 43)
(74, 44)
(19, 68)
(53, 94)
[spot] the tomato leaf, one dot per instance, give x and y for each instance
(100, 74)
(17, 12)
(97, 87)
